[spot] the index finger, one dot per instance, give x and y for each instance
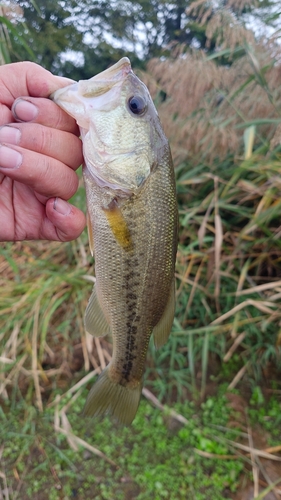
(28, 78)
(45, 112)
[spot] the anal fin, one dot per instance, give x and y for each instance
(94, 320)
(162, 330)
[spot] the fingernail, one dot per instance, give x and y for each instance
(24, 111)
(61, 206)
(10, 135)
(9, 158)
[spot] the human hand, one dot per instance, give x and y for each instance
(39, 153)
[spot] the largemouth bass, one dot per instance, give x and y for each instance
(132, 226)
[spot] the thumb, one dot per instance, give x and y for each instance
(68, 220)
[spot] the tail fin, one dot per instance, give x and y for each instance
(108, 397)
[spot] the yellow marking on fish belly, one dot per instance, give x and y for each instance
(118, 225)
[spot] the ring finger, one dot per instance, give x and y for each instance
(47, 176)
(57, 144)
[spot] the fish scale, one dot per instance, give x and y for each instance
(133, 227)
(151, 217)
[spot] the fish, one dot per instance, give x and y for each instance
(132, 221)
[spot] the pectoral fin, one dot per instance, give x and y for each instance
(94, 320)
(90, 233)
(162, 330)
(118, 225)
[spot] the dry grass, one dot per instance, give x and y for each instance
(222, 25)
(228, 293)
(205, 107)
(41, 327)
(229, 260)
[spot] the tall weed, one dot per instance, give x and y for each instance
(222, 115)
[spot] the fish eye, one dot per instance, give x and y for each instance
(137, 105)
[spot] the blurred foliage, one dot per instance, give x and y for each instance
(47, 31)
(81, 38)
(11, 14)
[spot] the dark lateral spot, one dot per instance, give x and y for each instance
(130, 345)
(130, 275)
(128, 365)
(131, 305)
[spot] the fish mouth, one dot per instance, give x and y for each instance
(99, 92)
(116, 72)
(103, 82)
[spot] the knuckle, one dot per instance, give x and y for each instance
(41, 140)
(73, 182)
(61, 180)
(61, 120)
(44, 177)
(50, 177)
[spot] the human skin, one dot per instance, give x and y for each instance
(40, 150)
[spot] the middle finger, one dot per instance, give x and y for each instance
(57, 144)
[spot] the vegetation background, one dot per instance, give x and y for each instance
(209, 423)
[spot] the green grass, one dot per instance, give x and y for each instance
(155, 458)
